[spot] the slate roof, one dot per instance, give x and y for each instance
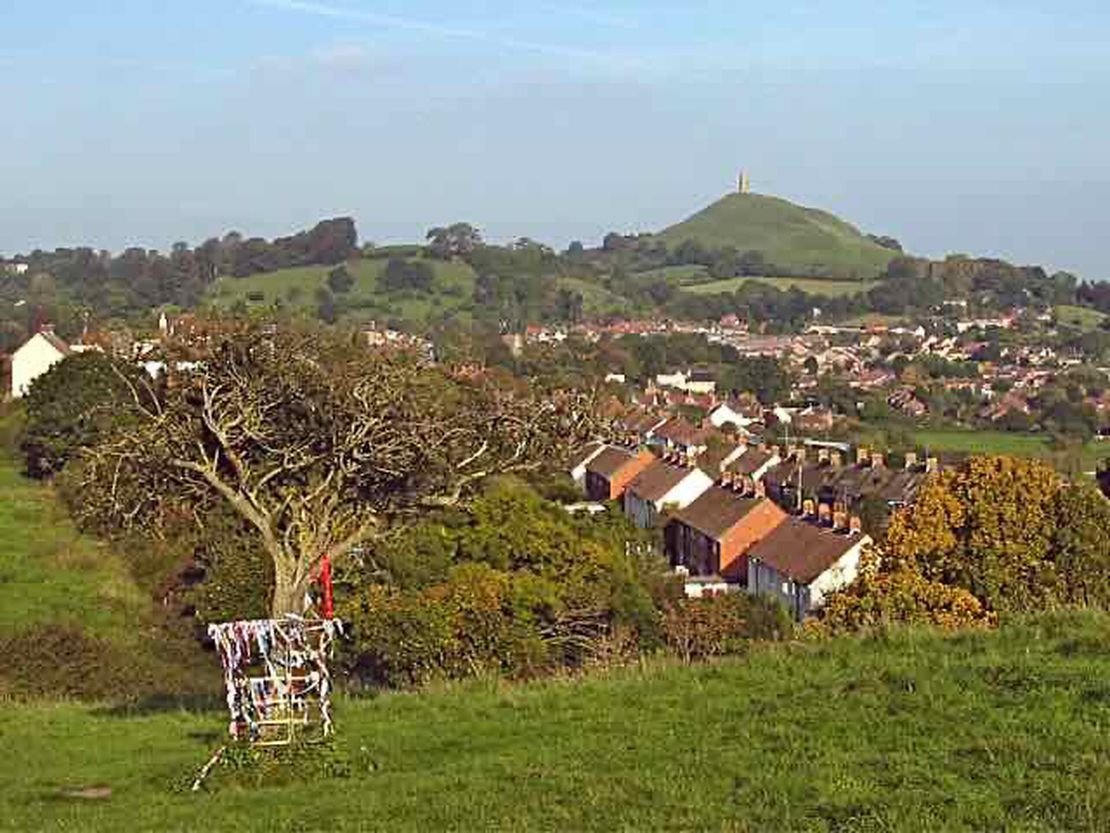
(717, 511)
(681, 432)
(750, 461)
(657, 480)
(585, 454)
(801, 550)
(609, 462)
(56, 342)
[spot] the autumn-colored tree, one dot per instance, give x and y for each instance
(996, 534)
(319, 445)
(986, 527)
(903, 596)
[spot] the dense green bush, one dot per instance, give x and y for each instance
(70, 405)
(60, 660)
(514, 585)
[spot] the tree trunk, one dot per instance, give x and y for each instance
(289, 593)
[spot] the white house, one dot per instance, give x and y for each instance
(696, 382)
(662, 485)
(36, 356)
(585, 457)
(724, 414)
(802, 562)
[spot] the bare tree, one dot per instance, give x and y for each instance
(319, 445)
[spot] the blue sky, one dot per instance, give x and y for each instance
(955, 126)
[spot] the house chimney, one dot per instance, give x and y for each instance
(836, 459)
(876, 460)
(932, 464)
(855, 525)
(911, 460)
(862, 456)
(824, 514)
(809, 508)
(840, 521)
(46, 329)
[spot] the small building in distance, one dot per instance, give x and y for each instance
(34, 357)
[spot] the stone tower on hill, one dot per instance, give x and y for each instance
(743, 185)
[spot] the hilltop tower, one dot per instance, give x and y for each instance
(743, 185)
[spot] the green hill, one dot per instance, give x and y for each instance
(788, 235)
(909, 731)
(452, 291)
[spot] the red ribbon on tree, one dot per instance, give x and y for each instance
(325, 583)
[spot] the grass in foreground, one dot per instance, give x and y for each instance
(985, 731)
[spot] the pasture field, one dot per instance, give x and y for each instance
(1084, 318)
(452, 290)
(815, 286)
(909, 731)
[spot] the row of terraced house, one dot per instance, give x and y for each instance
(766, 519)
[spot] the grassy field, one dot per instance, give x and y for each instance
(1083, 317)
(967, 441)
(984, 442)
(73, 619)
(50, 573)
(596, 299)
(296, 289)
(677, 275)
(787, 234)
(813, 286)
(914, 731)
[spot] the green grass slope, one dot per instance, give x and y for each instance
(913, 731)
(452, 291)
(1084, 318)
(787, 234)
(73, 620)
(814, 286)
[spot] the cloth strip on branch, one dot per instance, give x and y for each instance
(290, 658)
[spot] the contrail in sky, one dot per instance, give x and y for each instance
(436, 29)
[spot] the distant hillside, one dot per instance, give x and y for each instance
(451, 291)
(788, 235)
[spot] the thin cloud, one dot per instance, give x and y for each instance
(435, 29)
(342, 56)
(591, 15)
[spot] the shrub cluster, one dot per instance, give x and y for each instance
(722, 624)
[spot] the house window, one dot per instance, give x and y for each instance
(786, 587)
